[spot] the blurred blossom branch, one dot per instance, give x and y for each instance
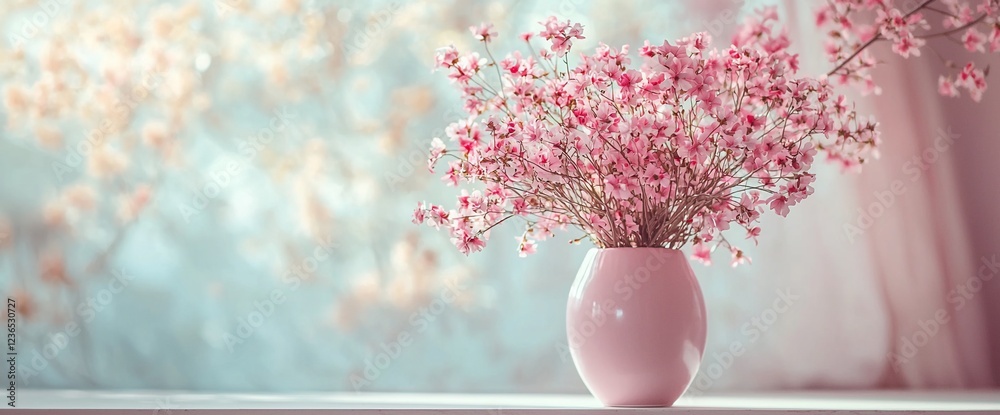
(132, 107)
(856, 25)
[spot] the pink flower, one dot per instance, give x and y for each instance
(446, 57)
(631, 226)
(596, 222)
(779, 204)
(946, 87)
(629, 78)
(484, 32)
(469, 244)
(520, 207)
(995, 39)
(680, 74)
(437, 150)
(419, 214)
(972, 79)
(617, 187)
(655, 176)
(906, 46)
(974, 40)
(702, 254)
(739, 258)
(496, 193)
(454, 173)
(438, 216)
(525, 247)
(543, 229)
(561, 34)
(474, 202)
(823, 15)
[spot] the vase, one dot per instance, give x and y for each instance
(636, 325)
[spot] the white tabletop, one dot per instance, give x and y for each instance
(164, 402)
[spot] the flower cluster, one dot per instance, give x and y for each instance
(854, 25)
(683, 145)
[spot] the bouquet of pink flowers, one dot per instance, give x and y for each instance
(674, 145)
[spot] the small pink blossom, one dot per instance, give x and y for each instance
(438, 217)
(907, 46)
(560, 34)
(446, 57)
(972, 79)
(596, 222)
(738, 258)
(419, 214)
(469, 244)
(702, 253)
(779, 204)
(525, 247)
(946, 87)
(483, 33)
(617, 187)
(437, 150)
(753, 234)
(974, 40)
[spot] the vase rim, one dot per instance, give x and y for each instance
(630, 248)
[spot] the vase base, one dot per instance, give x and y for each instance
(640, 406)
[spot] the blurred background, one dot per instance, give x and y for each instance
(216, 195)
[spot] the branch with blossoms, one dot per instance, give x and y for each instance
(855, 25)
(676, 149)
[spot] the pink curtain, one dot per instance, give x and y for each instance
(922, 220)
(892, 270)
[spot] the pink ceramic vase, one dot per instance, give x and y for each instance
(636, 325)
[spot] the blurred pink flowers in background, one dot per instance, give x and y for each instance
(855, 24)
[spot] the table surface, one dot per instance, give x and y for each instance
(799, 402)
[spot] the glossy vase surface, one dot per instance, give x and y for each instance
(636, 325)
